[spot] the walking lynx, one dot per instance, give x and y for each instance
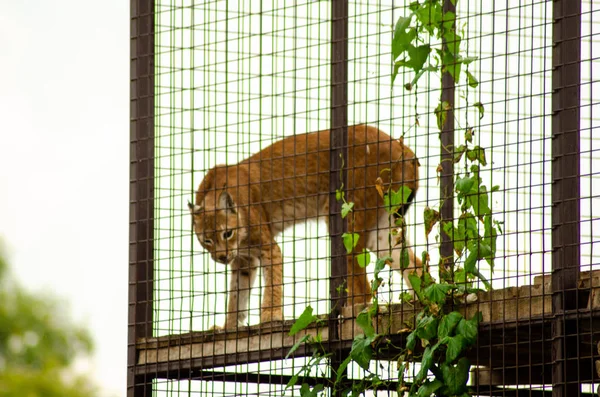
(241, 208)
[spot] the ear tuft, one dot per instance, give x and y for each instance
(226, 202)
(194, 209)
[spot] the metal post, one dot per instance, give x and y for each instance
(141, 189)
(566, 63)
(338, 148)
(447, 155)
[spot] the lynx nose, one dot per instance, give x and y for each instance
(223, 258)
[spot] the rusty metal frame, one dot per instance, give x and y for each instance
(141, 190)
(566, 64)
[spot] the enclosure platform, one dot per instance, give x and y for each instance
(514, 344)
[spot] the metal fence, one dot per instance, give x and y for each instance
(215, 82)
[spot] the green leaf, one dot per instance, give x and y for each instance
(346, 209)
(429, 387)
(448, 324)
(458, 153)
(431, 217)
(380, 265)
(427, 327)
(469, 135)
(415, 282)
(456, 377)
(363, 258)
(470, 262)
(479, 107)
(402, 39)
(396, 199)
(305, 390)
(473, 83)
(411, 341)
(404, 259)
(350, 240)
(441, 113)
(477, 153)
(468, 329)
(305, 319)
(361, 351)
(456, 345)
(426, 363)
(298, 344)
(406, 297)
(464, 185)
(418, 56)
(437, 292)
(292, 381)
(364, 321)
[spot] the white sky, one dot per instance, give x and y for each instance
(64, 133)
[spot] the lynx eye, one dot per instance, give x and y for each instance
(208, 241)
(227, 234)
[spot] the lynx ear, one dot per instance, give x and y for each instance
(194, 209)
(226, 202)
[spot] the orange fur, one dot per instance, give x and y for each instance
(241, 208)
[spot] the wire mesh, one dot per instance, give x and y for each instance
(231, 78)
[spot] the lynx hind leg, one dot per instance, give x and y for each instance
(379, 241)
(243, 275)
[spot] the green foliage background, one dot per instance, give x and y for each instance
(38, 345)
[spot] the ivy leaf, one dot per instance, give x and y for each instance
(469, 135)
(431, 217)
(305, 319)
(448, 324)
(415, 282)
(427, 327)
(404, 259)
(297, 345)
(346, 209)
(380, 265)
(426, 363)
(458, 153)
(479, 107)
(456, 345)
(350, 240)
(406, 297)
(464, 185)
(429, 387)
(418, 56)
(402, 39)
(411, 341)
(437, 292)
(363, 258)
(361, 351)
(441, 113)
(305, 390)
(468, 329)
(472, 81)
(396, 199)
(477, 154)
(455, 377)
(363, 320)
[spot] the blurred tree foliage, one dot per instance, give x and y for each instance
(38, 345)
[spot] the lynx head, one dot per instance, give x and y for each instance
(218, 225)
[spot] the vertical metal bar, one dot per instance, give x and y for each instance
(447, 149)
(339, 146)
(141, 189)
(338, 155)
(566, 62)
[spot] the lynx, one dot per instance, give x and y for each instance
(241, 208)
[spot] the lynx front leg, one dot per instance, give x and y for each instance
(243, 276)
(272, 267)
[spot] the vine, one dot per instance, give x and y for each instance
(426, 41)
